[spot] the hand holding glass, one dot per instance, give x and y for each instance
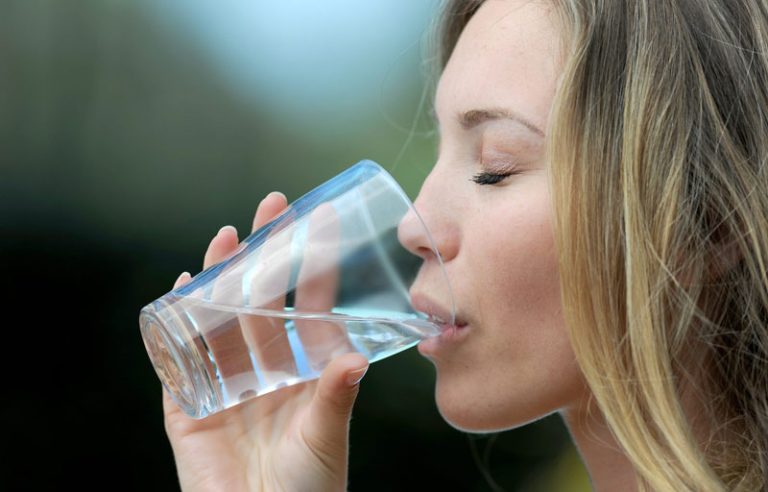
(325, 277)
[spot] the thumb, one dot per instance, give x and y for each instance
(327, 424)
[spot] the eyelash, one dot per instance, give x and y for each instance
(486, 178)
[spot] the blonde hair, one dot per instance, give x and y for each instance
(657, 146)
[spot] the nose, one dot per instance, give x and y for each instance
(430, 218)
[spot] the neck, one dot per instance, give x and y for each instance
(609, 468)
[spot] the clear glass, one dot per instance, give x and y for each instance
(326, 276)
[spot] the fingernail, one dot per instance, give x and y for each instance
(182, 276)
(355, 376)
(277, 193)
(227, 227)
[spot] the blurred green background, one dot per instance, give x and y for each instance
(130, 132)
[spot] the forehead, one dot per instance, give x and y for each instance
(506, 57)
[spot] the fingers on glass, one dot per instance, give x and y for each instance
(224, 339)
(251, 349)
(183, 279)
(266, 286)
(317, 289)
(221, 246)
(269, 207)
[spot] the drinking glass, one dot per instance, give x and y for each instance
(328, 275)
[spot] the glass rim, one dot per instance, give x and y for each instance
(433, 245)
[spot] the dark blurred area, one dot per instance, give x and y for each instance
(125, 146)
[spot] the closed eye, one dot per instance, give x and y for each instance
(486, 178)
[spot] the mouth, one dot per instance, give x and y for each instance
(438, 314)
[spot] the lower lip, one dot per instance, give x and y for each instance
(451, 335)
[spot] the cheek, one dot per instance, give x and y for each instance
(521, 275)
(518, 365)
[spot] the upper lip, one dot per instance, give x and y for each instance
(425, 304)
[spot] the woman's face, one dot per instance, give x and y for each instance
(513, 362)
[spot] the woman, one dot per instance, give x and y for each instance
(600, 201)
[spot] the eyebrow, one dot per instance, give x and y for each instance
(475, 117)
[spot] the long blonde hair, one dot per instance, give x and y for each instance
(658, 143)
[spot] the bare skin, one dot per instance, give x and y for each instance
(512, 362)
(292, 439)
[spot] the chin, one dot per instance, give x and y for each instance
(473, 413)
